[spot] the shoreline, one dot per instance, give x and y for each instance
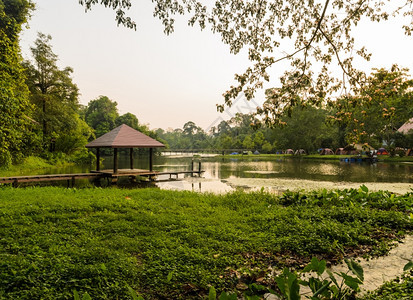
(278, 185)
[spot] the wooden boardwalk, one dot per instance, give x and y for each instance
(70, 178)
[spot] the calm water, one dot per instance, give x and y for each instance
(217, 169)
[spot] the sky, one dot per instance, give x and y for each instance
(169, 80)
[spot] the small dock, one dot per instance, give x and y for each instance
(70, 178)
(132, 173)
(95, 175)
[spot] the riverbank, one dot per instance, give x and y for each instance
(169, 245)
(381, 158)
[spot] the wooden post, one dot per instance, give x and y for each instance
(199, 168)
(192, 167)
(131, 158)
(150, 159)
(97, 159)
(115, 160)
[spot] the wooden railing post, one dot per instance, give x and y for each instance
(131, 158)
(115, 160)
(97, 159)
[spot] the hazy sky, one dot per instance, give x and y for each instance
(168, 80)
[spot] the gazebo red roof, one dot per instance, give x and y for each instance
(124, 137)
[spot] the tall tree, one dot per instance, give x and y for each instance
(15, 109)
(101, 114)
(53, 92)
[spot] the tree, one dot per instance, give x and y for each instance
(53, 93)
(15, 109)
(305, 129)
(259, 139)
(320, 33)
(225, 142)
(132, 121)
(101, 114)
(190, 129)
(267, 147)
(129, 119)
(248, 143)
(377, 111)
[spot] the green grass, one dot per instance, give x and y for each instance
(171, 245)
(29, 165)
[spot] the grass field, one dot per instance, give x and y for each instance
(169, 245)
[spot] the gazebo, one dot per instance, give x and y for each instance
(124, 137)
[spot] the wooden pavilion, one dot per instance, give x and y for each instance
(124, 137)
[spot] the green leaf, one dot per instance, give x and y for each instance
(169, 278)
(356, 268)
(322, 289)
(321, 267)
(76, 295)
(364, 188)
(316, 265)
(86, 296)
(332, 277)
(351, 282)
(293, 287)
(408, 266)
(133, 294)
(212, 293)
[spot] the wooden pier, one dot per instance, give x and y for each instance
(107, 174)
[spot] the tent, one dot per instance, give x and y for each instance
(300, 152)
(289, 151)
(340, 151)
(326, 151)
(382, 151)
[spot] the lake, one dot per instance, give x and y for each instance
(225, 174)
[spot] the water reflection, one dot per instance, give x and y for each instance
(218, 170)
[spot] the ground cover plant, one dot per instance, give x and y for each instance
(166, 244)
(400, 288)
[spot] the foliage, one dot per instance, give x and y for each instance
(101, 115)
(306, 128)
(313, 36)
(15, 109)
(166, 244)
(376, 112)
(55, 98)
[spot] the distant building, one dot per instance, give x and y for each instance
(406, 127)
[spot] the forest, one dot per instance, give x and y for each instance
(41, 114)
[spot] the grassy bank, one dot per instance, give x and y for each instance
(167, 244)
(31, 164)
(382, 158)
